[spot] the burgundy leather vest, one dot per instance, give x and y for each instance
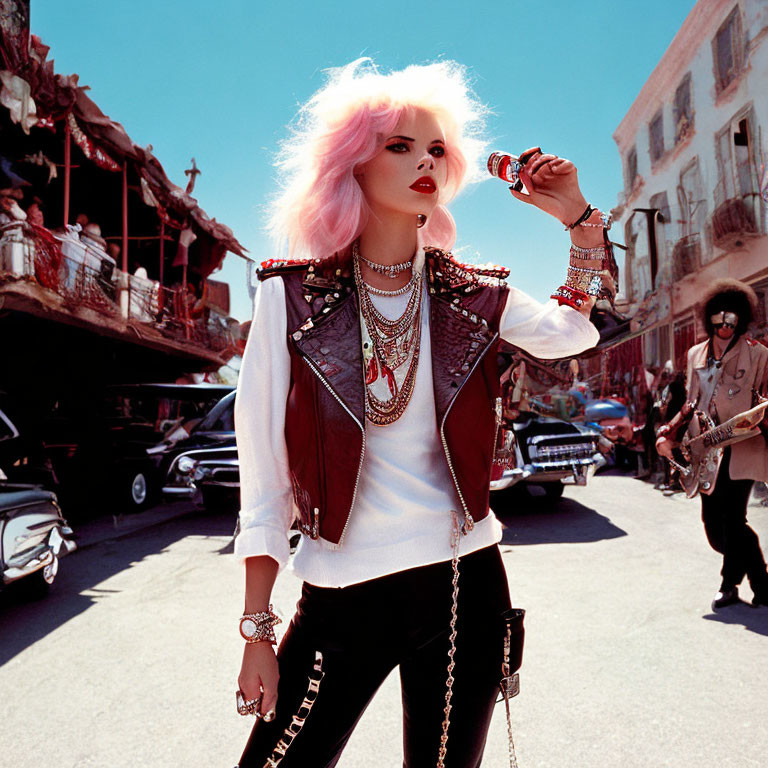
(325, 414)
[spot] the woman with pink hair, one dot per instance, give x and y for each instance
(367, 414)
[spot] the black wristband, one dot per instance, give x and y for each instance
(584, 216)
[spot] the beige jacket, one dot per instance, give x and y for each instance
(745, 368)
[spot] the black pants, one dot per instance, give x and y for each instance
(724, 513)
(351, 638)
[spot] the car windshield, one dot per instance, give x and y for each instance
(221, 418)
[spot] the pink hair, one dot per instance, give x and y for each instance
(321, 209)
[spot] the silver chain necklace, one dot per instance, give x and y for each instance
(390, 270)
(397, 292)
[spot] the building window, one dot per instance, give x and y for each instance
(683, 109)
(738, 207)
(631, 168)
(656, 136)
(737, 158)
(687, 251)
(693, 206)
(728, 50)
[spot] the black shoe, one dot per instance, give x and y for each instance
(760, 599)
(726, 596)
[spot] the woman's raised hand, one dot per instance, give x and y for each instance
(552, 185)
(259, 676)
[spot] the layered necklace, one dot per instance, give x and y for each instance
(390, 348)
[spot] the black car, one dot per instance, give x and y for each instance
(206, 461)
(104, 450)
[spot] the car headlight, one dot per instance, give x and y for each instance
(186, 465)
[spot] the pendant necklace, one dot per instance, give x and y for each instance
(390, 349)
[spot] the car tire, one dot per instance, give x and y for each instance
(553, 491)
(137, 491)
(509, 500)
(37, 585)
(217, 500)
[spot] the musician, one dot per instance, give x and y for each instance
(740, 366)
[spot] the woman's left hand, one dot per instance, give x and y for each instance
(553, 186)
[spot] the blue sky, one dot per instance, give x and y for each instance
(220, 81)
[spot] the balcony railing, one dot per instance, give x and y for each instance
(686, 256)
(735, 219)
(82, 277)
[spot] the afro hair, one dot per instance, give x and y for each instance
(728, 295)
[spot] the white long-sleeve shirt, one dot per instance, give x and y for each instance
(401, 516)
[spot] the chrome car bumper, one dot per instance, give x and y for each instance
(574, 472)
(31, 560)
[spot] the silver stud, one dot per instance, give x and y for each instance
(297, 335)
(465, 313)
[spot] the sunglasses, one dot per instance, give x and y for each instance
(725, 319)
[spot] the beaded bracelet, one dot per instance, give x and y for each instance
(605, 219)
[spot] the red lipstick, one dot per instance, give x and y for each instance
(425, 184)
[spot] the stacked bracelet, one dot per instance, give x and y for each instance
(259, 627)
(588, 281)
(570, 297)
(588, 254)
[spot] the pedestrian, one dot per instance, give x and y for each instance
(367, 412)
(724, 372)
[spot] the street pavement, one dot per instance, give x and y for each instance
(132, 660)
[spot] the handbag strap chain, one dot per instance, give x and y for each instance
(505, 683)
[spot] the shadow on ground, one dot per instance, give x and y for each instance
(24, 621)
(567, 522)
(752, 619)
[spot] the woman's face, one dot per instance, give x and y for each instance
(409, 173)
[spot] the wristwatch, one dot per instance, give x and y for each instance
(248, 628)
(257, 627)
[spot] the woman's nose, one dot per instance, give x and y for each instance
(427, 162)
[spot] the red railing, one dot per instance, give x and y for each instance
(32, 253)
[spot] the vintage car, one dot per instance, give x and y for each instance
(33, 532)
(543, 451)
(206, 461)
(113, 456)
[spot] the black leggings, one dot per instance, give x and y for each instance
(342, 644)
(724, 513)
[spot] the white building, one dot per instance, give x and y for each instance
(694, 147)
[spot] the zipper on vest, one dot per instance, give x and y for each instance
(317, 373)
(469, 523)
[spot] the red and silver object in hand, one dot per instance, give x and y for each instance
(507, 167)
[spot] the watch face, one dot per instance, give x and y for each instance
(247, 628)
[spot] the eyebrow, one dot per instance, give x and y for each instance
(408, 138)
